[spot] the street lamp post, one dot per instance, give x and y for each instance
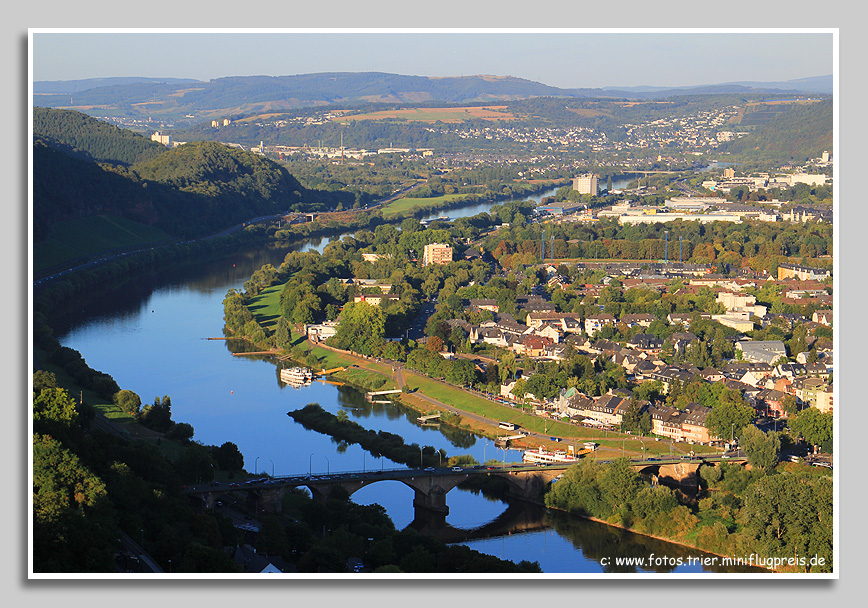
(420, 457)
(255, 466)
(309, 463)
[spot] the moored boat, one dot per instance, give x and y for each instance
(544, 456)
(296, 376)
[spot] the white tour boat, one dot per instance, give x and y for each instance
(296, 376)
(544, 456)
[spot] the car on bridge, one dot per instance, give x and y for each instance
(457, 469)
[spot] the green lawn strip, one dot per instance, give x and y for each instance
(497, 412)
(468, 402)
(93, 236)
(403, 205)
(330, 359)
(53, 253)
(632, 444)
(123, 421)
(265, 307)
(370, 380)
(366, 374)
(107, 409)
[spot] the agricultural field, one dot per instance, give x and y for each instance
(435, 114)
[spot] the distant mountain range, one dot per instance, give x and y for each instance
(65, 87)
(815, 84)
(180, 99)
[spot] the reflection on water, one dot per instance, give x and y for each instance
(569, 544)
(151, 333)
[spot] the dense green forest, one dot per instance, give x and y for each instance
(87, 138)
(776, 513)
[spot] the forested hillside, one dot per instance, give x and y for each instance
(784, 132)
(67, 187)
(214, 169)
(80, 135)
(190, 190)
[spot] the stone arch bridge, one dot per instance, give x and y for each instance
(430, 485)
(524, 481)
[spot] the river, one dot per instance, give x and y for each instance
(151, 335)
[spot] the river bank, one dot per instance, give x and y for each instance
(721, 559)
(424, 405)
(421, 207)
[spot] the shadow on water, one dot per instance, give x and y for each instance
(191, 367)
(602, 543)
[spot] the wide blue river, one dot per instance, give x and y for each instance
(151, 335)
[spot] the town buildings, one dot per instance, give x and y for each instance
(586, 184)
(803, 273)
(436, 253)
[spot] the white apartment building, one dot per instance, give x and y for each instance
(166, 140)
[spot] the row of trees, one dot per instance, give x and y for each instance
(771, 513)
(758, 245)
(90, 139)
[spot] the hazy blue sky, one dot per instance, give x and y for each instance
(558, 58)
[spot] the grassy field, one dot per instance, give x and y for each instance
(123, 421)
(611, 444)
(265, 307)
(88, 237)
(369, 380)
(406, 205)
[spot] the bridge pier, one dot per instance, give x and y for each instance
(528, 485)
(272, 500)
(430, 510)
(434, 500)
(679, 473)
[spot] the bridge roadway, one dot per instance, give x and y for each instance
(431, 484)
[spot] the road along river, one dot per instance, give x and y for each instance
(150, 334)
